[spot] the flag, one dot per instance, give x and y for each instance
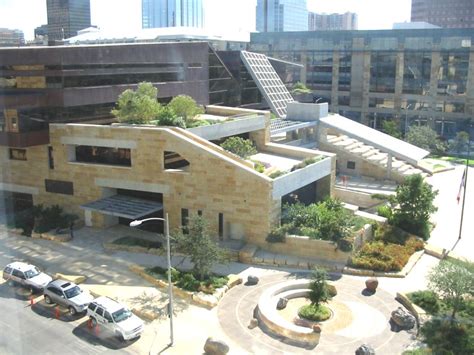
(463, 180)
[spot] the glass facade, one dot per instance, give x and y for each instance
(418, 76)
(282, 15)
(172, 13)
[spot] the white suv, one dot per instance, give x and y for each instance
(26, 275)
(115, 317)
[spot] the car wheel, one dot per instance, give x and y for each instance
(47, 299)
(72, 311)
(120, 337)
(32, 290)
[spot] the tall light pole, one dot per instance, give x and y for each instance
(465, 181)
(168, 254)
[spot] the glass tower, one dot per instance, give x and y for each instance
(172, 13)
(282, 15)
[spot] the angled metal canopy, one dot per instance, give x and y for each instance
(123, 206)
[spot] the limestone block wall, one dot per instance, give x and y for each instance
(308, 248)
(213, 183)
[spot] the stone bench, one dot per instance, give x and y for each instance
(270, 318)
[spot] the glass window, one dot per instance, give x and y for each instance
(319, 70)
(184, 219)
(19, 274)
(103, 155)
(416, 72)
(453, 72)
(345, 64)
(382, 72)
(381, 103)
(100, 311)
(17, 154)
(351, 165)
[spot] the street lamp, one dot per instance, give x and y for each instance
(168, 254)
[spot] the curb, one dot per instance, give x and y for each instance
(442, 253)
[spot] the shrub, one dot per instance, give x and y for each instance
(318, 287)
(188, 282)
(314, 313)
(384, 211)
(197, 123)
(444, 337)
(277, 235)
(345, 244)
(304, 163)
(49, 218)
(276, 174)
(391, 234)
(239, 146)
(131, 241)
(259, 166)
(379, 256)
(167, 117)
(184, 106)
(426, 300)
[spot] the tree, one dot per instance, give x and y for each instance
(392, 128)
(452, 281)
(412, 206)
(425, 138)
(319, 291)
(139, 106)
(184, 106)
(460, 142)
(199, 245)
(239, 146)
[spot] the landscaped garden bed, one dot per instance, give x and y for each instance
(389, 251)
(206, 293)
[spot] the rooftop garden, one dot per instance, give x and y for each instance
(140, 106)
(245, 149)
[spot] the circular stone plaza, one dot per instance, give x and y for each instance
(357, 318)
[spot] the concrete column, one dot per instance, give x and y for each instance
(469, 108)
(88, 218)
(399, 80)
(389, 166)
(435, 66)
(335, 82)
(303, 71)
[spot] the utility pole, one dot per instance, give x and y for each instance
(465, 181)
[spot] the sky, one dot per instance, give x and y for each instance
(221, 16)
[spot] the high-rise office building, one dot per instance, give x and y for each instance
(444, 13)
(66, 17)
(172, 13)
(330, 22)
(282, 15)
(11, 38)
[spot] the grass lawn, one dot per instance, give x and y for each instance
(138, 242)
(456, 160)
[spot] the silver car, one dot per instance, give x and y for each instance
(67, 294)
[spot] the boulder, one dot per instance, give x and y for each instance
(215, 347)
(403, 318)
(282, 302)
(252, 280)
(317, 328)
(365, 349)
(371, 284)
(253, 323)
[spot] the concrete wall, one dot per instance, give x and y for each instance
(306, 112)
(357, 198)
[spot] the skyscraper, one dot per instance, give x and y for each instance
(282, 15)
(172, 13)
(66, 17)
(329, 22)
(444, 13)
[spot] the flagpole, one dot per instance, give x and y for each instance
(465, 184)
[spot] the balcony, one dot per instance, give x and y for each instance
(24, 139)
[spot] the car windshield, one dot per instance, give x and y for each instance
(121, 315)
(32, 273)
(72, 292)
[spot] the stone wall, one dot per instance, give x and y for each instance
(357, 198)
(308, 248)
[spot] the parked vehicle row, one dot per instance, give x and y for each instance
(104, 311)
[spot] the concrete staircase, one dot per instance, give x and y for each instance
(372, 155)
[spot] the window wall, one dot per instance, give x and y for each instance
(382, 72)
(319, 70)
(416, 72)
(452, 76)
